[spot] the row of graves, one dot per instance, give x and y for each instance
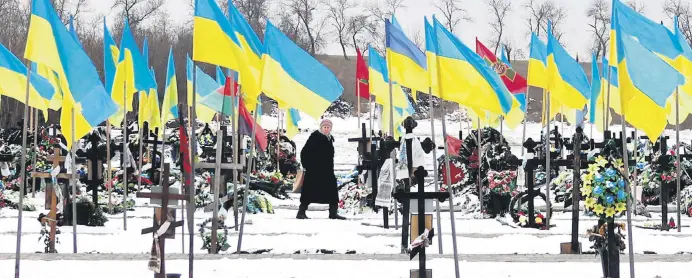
(585, 177)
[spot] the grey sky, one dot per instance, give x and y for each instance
(576, 38)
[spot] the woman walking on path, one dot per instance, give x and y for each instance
(319, 184)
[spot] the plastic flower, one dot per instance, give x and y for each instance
(610, 212)
(586, 190)
(599, 178)
(620, 207)
(610, 199)
(523, 219)
(610, 172)
(539, 220)
(601, 161)
(589, 202)
(610, 184)
(622, 195)
(598, 209)
(598, 190)
(621, 183)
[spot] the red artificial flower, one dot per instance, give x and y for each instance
(540, 215)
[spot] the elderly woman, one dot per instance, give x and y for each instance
(319, 184)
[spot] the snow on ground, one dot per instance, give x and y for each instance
(285, 268)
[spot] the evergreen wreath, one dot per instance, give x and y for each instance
(222, 238)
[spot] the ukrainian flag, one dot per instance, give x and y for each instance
(293, 77)
(292, 119)
(597, 102)
(50, 44)
(14, 74)
(538, 62)
(169, 110)
(466, 77)
(204, 114)
(131, 71)
(111, 53)
(567, 81)
(407, 63)
(683, 64)
(144, 111)
(252, 50)
(613, 83)
(55, 103)
(215, 42)
(211, 94)
(154, 110)
(379, 81)
(73, 32)
(431, 57)
(646, 83)
(651, 35)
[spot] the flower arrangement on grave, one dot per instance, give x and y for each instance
(661, 172)
(287, 154)
(9, 196)
(562, 185)
(460, 175)
(222, 236)
(496, 154)
(258, 203)
(501, 182)
(604, 188)
(117, 203)
(522, 218)
(353, 197)
(598, 235)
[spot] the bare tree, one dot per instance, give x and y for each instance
(15, 24)
(67, 8)
(452, 12)
(599, 23)
(313, 27)
(291, 27)
(513, 52)
(683, 12)
(379, 12)
(541, 14)
(418, 39)
(356, 25)
(499, 10)
(255, 12)
(636, 6)
(136, 11)
(339, 18)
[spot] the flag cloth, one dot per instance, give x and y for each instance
(597, 105)
(538, 62)
(514, 82)
(651, 35)
(378, 76)
(144, 111)
(454, 145)
(520, 95)
(292, 119)
(14, 76)
(50, 44)
(294, 78)
(220, 76)
(245, 125)
(646, 83)
(211, 94)
(362, 77)
(431, 58)
(111, 53)
(185, 153)
(465, 78)
(204, 114)
(613, 84)
(169, 108)
(683, 63)
(567, 81)
(55, 103)
(154, 113)
(253, 49)
(73, 32)
(407, 63)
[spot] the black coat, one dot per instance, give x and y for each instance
(317, 157)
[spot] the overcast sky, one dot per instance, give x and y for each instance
(576, 36)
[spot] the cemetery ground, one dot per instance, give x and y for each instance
(319, 247)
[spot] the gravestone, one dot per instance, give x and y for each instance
(163, 226)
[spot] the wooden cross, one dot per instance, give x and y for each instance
(218, 176)
(161, 218)
(154, 149)
(51, 199)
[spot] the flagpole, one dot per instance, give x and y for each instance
(73, 180)
(607, 110)
(526, 121)
(234, 145)
(449, 174)
(435, 173)
(393, 153)
(677, 154)
(124, 157)
(547, 160)
(247, 178)
(480, 162)
(33, 159)
(625, 159)
(17, 255)
(358, 100)
(108, 164)
(192, 118)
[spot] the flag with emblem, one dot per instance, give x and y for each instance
(515, 83)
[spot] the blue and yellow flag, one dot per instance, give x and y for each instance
(466, 78)
(14, 80)
(211, 94)
(292, 119)
(143, 96)
(293, 77)
(220, 76)
(538, 62)
(73, 32)
(683, 64)
(153, 116)
(111, 53)
(252, 52)
(597, 107)
(51, 45)
(169, 109)
(204, 114)
(379, 81)
(567, 81)
(431, 57)
(646, 83)
(407, 63)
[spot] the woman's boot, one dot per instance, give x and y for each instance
(333, 208)
(301, 211)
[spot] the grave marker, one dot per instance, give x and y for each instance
(163, 226)
(51, 198)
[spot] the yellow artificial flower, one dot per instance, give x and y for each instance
(601, 161)
(590, 202)
(586, 190)
(598, 209)
(618, 163)
(610, 212)
(539, 220)
(523, 219)
(620, 207)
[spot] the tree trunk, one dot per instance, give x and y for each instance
(343, 47)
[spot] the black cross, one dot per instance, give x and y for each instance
(94, 167)
(161, 214)
(370, 161)
(218, 177)
(151, 139)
